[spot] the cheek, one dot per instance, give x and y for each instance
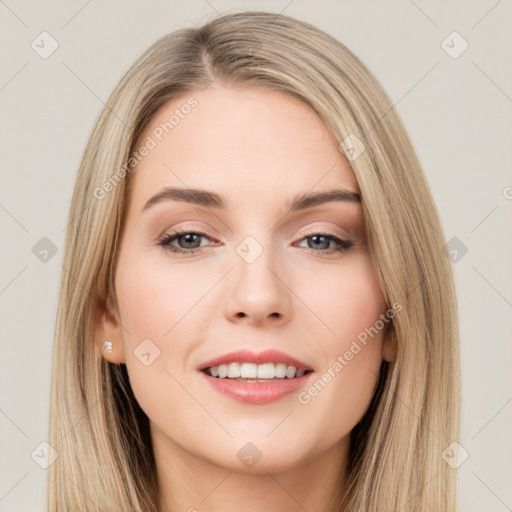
(165, 312)
(155, 298)
(347, 301)
(153, 302)
(351, 349)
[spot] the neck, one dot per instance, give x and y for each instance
(188, 483)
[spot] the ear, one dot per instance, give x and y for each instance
(389, 345)
(108, 328)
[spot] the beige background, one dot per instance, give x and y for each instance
(458, 112)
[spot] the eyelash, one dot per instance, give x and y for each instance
(343, 245)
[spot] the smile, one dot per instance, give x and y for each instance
(252, 372)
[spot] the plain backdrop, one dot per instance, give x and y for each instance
(456, 104)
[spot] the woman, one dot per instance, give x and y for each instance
(256, 309)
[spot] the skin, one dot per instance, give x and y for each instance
(257, 148)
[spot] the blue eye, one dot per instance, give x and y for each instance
(188, 238)
(320, 238)
(192, 242)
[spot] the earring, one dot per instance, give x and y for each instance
(107, 346)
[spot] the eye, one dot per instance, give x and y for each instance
(190, 240)
(323, 240)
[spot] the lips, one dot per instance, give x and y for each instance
(257, 391)
(246, 356)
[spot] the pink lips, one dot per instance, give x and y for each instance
(246, 356)
(256, 393)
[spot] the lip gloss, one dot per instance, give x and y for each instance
(257, 393)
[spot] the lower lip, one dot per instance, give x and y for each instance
(257, 393)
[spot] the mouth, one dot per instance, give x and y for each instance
(252, 372)
(256, 378)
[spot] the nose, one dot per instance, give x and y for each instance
(259, 293)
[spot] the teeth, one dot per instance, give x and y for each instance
(266, 371)
(290, 372)
(248, 370)
(281, 371)
(223, 371)
(233, 371)
(255, 371)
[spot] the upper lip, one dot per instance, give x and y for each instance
(246, 356)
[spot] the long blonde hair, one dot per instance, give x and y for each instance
(101, 435)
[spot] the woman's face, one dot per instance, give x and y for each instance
(253, 275)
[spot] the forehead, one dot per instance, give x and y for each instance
(247, 144)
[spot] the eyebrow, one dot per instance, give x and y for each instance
(214, 200)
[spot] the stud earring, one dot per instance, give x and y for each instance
(107, 345)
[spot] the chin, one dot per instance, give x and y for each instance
(274, 463)
(254, 454)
